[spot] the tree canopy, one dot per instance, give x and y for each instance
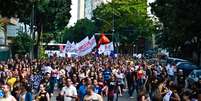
(52, 15)
(23, 43)
(128, 18)
(82, 28)
(20, 8)
(180, 20)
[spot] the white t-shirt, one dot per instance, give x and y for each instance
(170, 71)
(93, 97)
(120, 75)
(71, 90)
(48, 69)
(82, 76)
(167, 96)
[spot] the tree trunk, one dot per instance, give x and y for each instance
(40, 31)
(25, 27)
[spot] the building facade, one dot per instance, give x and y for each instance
(81, 9)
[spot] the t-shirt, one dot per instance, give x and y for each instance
(1, 93)
(93, 97)
(97, 90)
(170, 71)
(71, 90)
(140, 74)
(47, 69)
(111, 88)
(167, 96)
(106, 74)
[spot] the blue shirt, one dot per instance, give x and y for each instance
(1, 93)
(82, 92)
(106, 74)
(97, 90)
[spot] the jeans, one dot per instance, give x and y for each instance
(140, 83)
(131, 88)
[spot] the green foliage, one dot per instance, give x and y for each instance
(21, 8)
(42, 54)
(52, 15)
(180, 20)
(130, 19)
(47, 37)
(82, 28)
(23, 43)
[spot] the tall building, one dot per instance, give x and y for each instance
(88, 9)
(81, 9)
(74, 13)
(90, 5)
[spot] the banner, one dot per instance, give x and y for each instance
(106, 48)
(85, 46)
(73, 47)
(93, 42)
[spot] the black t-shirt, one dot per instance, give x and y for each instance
(111, 85)
(181, 79)
(43, 96)
(130, 76)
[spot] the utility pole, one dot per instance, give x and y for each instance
(114, 39)
(32, 28)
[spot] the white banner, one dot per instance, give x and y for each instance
(85, 46)
(106, 48)
(73, 47)
(93, 42)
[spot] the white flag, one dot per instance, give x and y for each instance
(101, 49)
(83, 47)
(92, 42)
(73, 47)
(109, 47)
(67, 47)
(106, 48)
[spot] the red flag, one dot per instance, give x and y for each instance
(103, 40)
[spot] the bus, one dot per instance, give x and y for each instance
(56, 48)
(53, 48)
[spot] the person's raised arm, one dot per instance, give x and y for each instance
(48, 97)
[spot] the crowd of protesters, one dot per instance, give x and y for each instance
(92, 78)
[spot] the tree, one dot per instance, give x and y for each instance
(82, 28)
(180, 24)
(127, 18)
(11, 8)
(23, 43)
(52, 16)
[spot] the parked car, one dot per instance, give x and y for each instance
(187, 67)
(193, 77)
(176, 60)
(151, 53)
